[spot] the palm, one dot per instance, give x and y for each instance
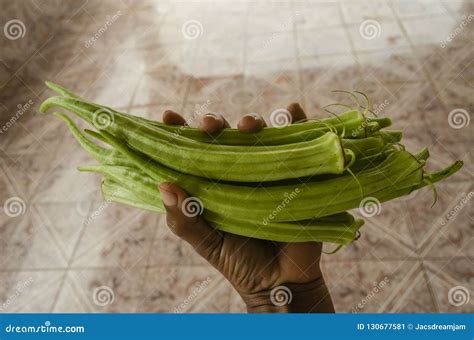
(265, 264)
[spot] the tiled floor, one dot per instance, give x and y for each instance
(236, 58)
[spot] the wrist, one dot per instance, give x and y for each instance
(311, 297)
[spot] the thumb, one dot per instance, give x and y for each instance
(184, 220)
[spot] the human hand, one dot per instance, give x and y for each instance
(269, 276)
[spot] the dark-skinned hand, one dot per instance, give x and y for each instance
(269, 276)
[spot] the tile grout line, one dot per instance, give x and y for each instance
(70, 261)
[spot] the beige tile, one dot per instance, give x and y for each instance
(436, 234)
(237, 305)
(185, 289)
(373, 287)
(386, 236)
(411, 100)
(443, 154)
(455, 5)
(357, 12)
(65, 222)
(116, 235)
(323, 42)
(24, 172)
(170, 250)
(100, 291)
(270, 47)
(455, 94)
(167, 86)
(419, 8)
(214, 89)
(28, 242)
(29, 291)
(450, 60)
(67, 185)
(383, 35)
(31, 131)
(451, 280)
(429, 30)
(391, 66)
(211, 51)
(265, 19)
(320, 17)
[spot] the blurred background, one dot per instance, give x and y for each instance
(63, 249)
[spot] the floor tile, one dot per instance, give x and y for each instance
(392, 66)
(429, 30)
(115, 235)
(29, 291)
(106, 290)
(451, 280)
(418, 8)
(366, 10)
(230, 58)
(185, 289)
(29, 242)
(441, 230)
(385, 236)
(327, 15)
(262, 47)
(383, 35)
(374, 287)
(319, 42)
(169, 250)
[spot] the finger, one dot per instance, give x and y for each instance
(213, 123)
(183, 219)
(251, 122)
(173, 118)
(296, 112)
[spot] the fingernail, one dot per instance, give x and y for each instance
(255, 116)
(212, 115)
(169, 198)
